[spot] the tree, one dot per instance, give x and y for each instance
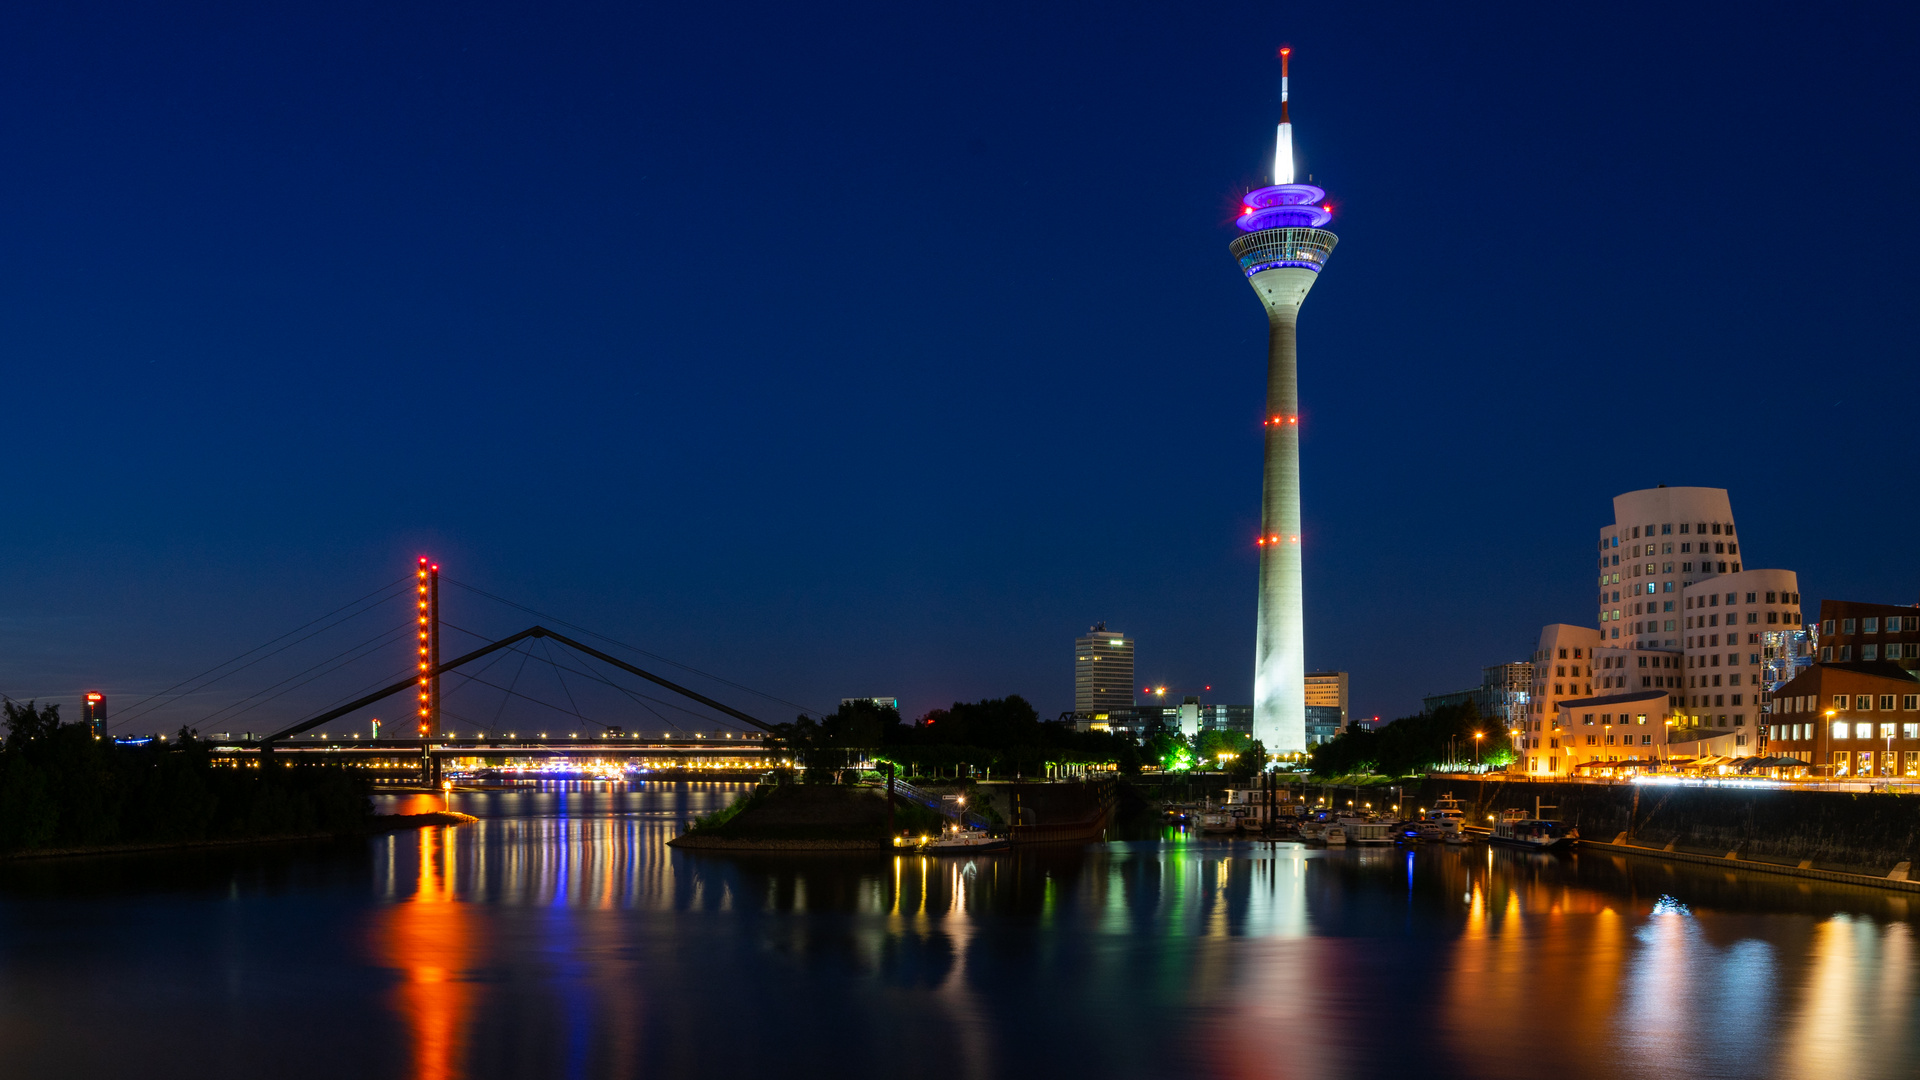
(1413, 744)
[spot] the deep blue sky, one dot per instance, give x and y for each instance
(883, 348)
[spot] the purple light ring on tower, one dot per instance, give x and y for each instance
(1283, 206)
(1284, 195)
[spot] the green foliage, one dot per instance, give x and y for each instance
(62, 788)
(1414, 744)
(745, 801)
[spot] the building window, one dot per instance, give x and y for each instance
(1886, 702)
(1846, 653)
(1840, 702)
(1826, 654)
(1846, 626)
(1863, 731)
(1886, 731)
(1910, 702)
(1910, 731)
(1869, 626)
(1868, 652)
(1839, 726)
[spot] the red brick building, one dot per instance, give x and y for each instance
(1859, 719)
(1852, 632)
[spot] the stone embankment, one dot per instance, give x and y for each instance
(1870, 834)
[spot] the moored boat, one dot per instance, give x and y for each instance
(1535, 831)
(965, 842)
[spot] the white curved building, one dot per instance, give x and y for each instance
(1678, 613)
(1662, 541)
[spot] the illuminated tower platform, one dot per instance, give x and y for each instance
(1281, 250)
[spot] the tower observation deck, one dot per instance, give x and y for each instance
(1281, 250)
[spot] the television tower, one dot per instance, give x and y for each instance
(1281, 250)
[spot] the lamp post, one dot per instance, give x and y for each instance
(1477, 736)
(1830, 715)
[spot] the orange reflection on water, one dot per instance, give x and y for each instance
(429, 940)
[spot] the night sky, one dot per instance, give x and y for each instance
(881, 349)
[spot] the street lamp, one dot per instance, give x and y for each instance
(1477, 736)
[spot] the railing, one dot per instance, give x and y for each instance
(1270, 248)
(933, 802)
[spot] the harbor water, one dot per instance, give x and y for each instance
(559, 936)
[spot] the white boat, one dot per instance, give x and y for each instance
(1445, 819)
(965, 842)
(1336, 836)
(1368, 832)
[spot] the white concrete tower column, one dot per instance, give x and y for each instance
(1281, 252)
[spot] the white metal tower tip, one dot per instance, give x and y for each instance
(1283, 139)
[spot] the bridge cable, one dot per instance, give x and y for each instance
(378, 639)
(133, 712)
(547, 647)
(637, 698)
(501, 711)
(632, 648)
(483, 670)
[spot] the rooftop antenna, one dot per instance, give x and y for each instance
(1283, 141)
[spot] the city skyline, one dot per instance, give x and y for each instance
(285, 307)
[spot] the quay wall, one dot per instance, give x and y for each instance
(1859, 832)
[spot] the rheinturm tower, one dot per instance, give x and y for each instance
(1281, 250)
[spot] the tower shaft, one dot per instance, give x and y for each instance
(1279, 651)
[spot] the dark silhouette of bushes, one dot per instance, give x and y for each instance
(62, 788)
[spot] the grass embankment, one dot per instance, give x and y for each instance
(801, 816)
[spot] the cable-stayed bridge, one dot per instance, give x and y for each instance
(583, 700)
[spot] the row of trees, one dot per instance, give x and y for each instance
(998, 736)
(1003, 737)
(1416, 744)
(62, 788)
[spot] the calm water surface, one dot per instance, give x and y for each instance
(560, 937)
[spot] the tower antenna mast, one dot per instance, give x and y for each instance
(1283, 140)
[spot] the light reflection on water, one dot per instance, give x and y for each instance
(558, 935)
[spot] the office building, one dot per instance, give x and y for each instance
(1724, 623)
(1281, 251)
(1680, 615)
(1852, 631)
(1102, 671)
(1854, 719)
(1628, 729)
(1503, 696)
(1326, 699)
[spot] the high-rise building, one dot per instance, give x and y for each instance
(93, 710)
(1102, 671)
(1641, 572)
(1679, 614)
(1281, 252)
(1506, 690)
(1326, 701)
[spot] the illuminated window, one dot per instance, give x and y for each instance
(1840, 729)
(1863, 731)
